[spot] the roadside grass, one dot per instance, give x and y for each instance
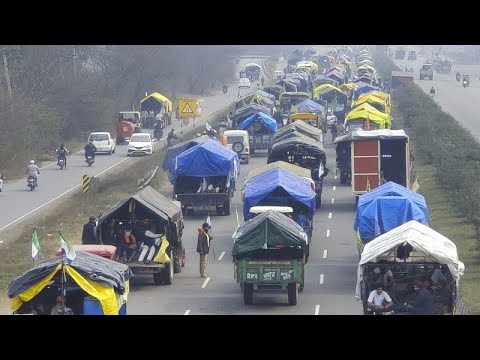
(449, 222)
(69, 215)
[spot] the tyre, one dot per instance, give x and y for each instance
(246, 160)
(318, 202)
(177, 266)
(226, 208)
(158, 278)
(237, 147)
(248, 294)
(292, 290)
(168, 271)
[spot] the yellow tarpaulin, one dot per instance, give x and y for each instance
(322, 89)
(349, 87)
(367, 111)
(105, 295)
(381, 95)
(370, 99)
(366, 67)
(159, 97)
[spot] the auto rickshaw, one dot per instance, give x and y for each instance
(466, 80)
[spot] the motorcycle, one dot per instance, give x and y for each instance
(158, 134)
(225, 89)
(458, 77)
(61, 163)
(31, 182)
(1, 184)
(89, 160)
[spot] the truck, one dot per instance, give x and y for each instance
(128, 123)
(138, 212)
(426, 71)
(204, 176)
(374, 153)
(269, 255)
(411, 252)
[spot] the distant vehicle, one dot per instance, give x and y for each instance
(278, 75)
(426, 72)
(412, 55)
(244, 82)
(103, 141)
(408, 68)
(399, 54)
(140, 143)
(238, 141)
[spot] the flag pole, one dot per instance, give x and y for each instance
(33, 259)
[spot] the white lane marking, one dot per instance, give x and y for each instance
(187, 312)
(325, 253)
(205, 283)
(330, 215)
(333, 200)
(334, 188)
(59, 196)
(221, 255)
(322, 276)
(328, 232)
(317, 309)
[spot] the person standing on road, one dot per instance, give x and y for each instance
(203, 247)
(89, 234)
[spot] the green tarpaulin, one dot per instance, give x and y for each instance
(268, 230)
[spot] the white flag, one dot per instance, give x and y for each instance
(67, 248)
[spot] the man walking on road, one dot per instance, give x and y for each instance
(203, 247)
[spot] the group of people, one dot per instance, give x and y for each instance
(134, 243)
(430, 297)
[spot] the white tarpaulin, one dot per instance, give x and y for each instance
(424, 240)
(360, 134)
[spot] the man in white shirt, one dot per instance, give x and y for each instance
(379, 301)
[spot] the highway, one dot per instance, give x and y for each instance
(330, 274)
(454, 99)
(19, 203)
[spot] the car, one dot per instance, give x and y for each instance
(244, 82)
(238, 141)
(103, 141)
(141, 143)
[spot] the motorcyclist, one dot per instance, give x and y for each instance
(90, 150)
(62, 152)
(432, 91)
(170, 137)
(225, 88)
(33, 171)
(458, 75)
(158, 132)
(1, 181)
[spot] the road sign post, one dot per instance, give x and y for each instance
(85, 184)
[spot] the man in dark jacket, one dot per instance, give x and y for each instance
(203, 247)
(423, 303)
(89, 235)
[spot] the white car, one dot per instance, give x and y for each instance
(244, 82)
(140, 143)
(103, 141)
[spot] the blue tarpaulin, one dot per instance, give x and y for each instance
(385, 213)
(393, 189)
(309, 106)
(364, 88)
(208, 159)
(260, 187)
(269, 122)
(176, 150)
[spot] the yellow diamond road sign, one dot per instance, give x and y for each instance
(187, 107)
(85, 183)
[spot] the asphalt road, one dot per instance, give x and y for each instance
(19, 203)
(330, 275)
(454, 99)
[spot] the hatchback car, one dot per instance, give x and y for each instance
(103, 141)
(140, 143)
(244, 82)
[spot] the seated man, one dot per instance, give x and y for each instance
(60, 308)
(379, 301)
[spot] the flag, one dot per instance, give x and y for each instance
(208, 221)
(35, 246)
(67, 248)
(236, 226)
(368, 188)
(415, 185)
